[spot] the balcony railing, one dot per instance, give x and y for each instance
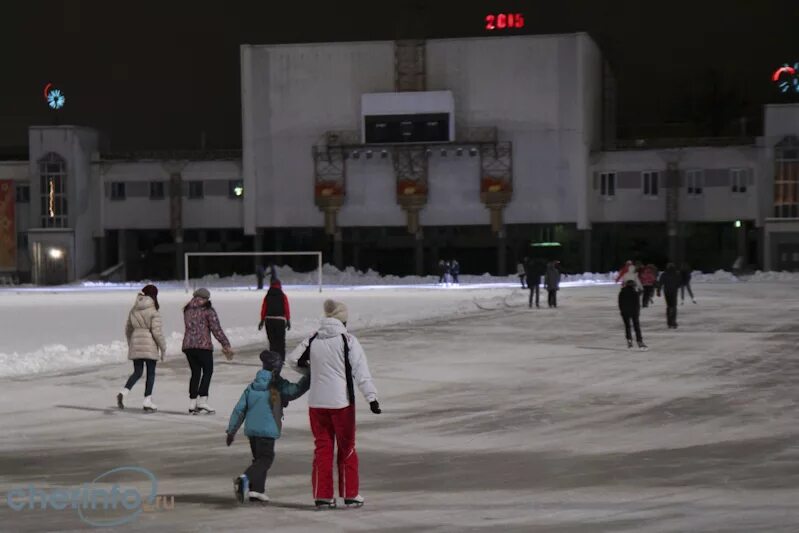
(677, 142)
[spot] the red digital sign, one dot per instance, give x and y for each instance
(504, 21)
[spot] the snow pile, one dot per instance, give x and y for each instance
(59, 331)
(791, 277)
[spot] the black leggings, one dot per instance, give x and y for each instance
(636, 326)
(138, 368)
(202, 368)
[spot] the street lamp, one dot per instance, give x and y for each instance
(55, 253)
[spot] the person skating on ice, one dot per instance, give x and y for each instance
(337, 366)
(260, 409)
(685, 283)
(668, 284)
(648, 278)
(535, 270)
(522, 272)
(455, 271)
(145, 338)
(276, 316)
(201, 322)
(552, 283)
(630, 308)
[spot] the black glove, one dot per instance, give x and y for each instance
(229, 438)
(375, 407)
(288, 324)
(260, 325)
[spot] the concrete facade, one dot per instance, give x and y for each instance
(543, 94)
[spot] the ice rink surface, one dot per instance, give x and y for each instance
(499, 418)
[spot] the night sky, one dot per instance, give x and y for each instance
(154, 75)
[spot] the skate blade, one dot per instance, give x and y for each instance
(149, 410)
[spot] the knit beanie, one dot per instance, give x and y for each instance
(334, 309)
(202, 293)
(152, 292)
(271, 361)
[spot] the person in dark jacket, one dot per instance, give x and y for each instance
(668, 284)
(685, 283)
(276, 316)
(260, 409)
(260, 274)
(630, 308)
(552, 283)
(442, 270)
(455, 270)
(534, 268)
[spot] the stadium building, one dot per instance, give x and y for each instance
(392, 155)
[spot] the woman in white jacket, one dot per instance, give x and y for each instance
(338, 365)
(145, 341)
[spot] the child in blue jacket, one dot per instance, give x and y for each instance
(260, 408)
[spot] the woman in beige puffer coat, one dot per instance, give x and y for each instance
(145, 341)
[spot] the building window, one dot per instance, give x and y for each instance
(738, 178)
(196, 190)
(23, 194)
(694, 182)
(786, 178)
(156, 190)
(649, 183)
(118, 190)
(235, 189)
(53, 196)
(607, 184)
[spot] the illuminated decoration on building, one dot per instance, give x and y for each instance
(238, 190)
(52, 198)
(54, 97)
(787, 78)
(504, 21)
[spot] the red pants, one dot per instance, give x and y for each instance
(328, 425)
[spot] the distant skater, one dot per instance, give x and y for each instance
(260, 273)
(552, 283)
(442, 271)
(630, 308)
(145, 340)
(648, 277)
(276, 316)
(535, 269)
(668, 284)
(455, 270)
(685, 283)
(520, 271)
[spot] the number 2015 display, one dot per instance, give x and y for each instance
(504, 21)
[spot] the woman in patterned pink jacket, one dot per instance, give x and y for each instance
(201, 321)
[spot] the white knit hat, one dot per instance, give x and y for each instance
(334, 309)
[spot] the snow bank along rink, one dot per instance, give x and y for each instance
(504, 419)
(56, 328)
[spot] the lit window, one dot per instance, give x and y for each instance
(235, 189)
(53, 191)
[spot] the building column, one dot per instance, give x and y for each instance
(258, 246)
(338, 249)
(743, 249)
(768, 256)
(586, 238)
(419, 252)
(102, 253)
(502, 253)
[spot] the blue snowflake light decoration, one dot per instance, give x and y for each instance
(56, 99)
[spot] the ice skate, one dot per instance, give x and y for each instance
(121, 398)
(241, 486)
(258, 497)
(641, 346)
(355, 502)
(629, 343)
(148, 405)
(203, 408)
(693, 301)
(193, 406)
(325, 504)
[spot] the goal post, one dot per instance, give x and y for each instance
(187, 255)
